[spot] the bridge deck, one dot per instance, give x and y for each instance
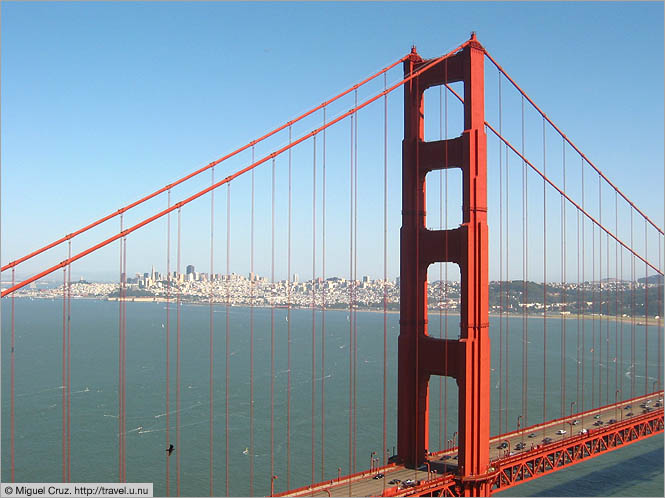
(445, 462)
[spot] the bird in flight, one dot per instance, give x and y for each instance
(170, 449)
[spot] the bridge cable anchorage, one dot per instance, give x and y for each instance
(212, 331)
(251, 338)
(169, 281)
(579, 152)
(227, 179)
(177, 368)
(212, 164)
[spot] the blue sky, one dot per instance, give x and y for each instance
(104, 102)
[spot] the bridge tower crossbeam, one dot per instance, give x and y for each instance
(419, 355)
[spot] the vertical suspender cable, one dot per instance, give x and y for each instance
(507, 384)
(632, 310)
(272, 327)
(351, 309)
(500, 263)
(169, 281)
(64, 384)
(69, 359)
(385, 261)
(177, 360)
(545, 279)
(524, 281)
(212, 327)
(623, 293)
(228, 331)
(600, 297)
(355, 280)
(251, 338)
(564, 285)
(288, 317)
(583, 298)
(313, 300)
(616, 295)
(578, 297)
(646, 313)
(593, 318)
(445, 223)
(440, 286)
(607, 324)
(124, 359)
(313, 296)
(120, 411)
(660, 323)
(11, 409)
(323, 305)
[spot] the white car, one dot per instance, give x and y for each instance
(561, 432)
(583, 431)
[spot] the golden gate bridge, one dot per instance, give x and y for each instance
(513, 164)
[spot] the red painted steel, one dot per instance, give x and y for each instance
(420, 356)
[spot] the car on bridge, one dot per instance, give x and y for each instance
(502, 446)
(612, 421)
(547, 440)
(378, 476)
(575, 422)
(560, 432)
(583, 431)
(520, 446)
(532, 435)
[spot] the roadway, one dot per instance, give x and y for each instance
(365, 484)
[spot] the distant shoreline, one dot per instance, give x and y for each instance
(640, 321)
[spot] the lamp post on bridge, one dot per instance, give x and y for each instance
(371, 460)
(272, 485)
(653, 386)
(519, 419)
(616, 395)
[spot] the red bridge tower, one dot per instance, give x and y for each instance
(421, 356)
